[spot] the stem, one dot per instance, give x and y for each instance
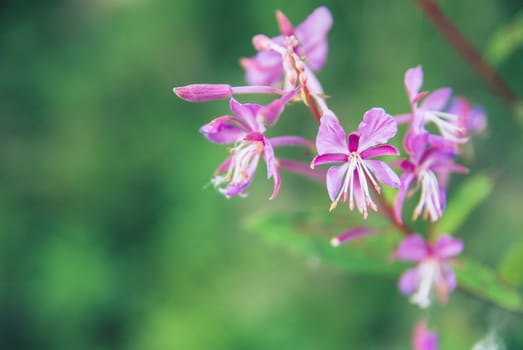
(388, 210)
(463, 47)
(311, 103)
(302, 169)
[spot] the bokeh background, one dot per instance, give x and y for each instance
(110, 237)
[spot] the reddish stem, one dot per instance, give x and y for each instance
(463, 47)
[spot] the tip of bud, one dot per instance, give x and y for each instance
(284, 24)
(335, 242)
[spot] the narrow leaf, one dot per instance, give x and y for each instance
(505, 41)
(471, 194)
(511, 264)
(309, 234)
(479, 280)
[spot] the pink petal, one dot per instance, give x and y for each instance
(312, 35)
(383, 172)
(409, 281)
(437, 100)
(263, 69)
(378, 151)
(449, 277)
(220, 130)
(412, 248)
(447, 247)
(328, 158)
(271, 113)
(424, 339)
(413, 81)
(335, 176)
(331, 136)
(248, 112)
(376, 128)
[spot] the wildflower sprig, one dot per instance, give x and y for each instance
(285, 66)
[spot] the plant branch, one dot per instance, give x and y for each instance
(472, 56)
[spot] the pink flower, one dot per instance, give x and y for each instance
(473, 118)
(431, 109)
(423, 338)
(267, 67)
(432, 272)
(350, 180)
(246, 131)
(427, 169)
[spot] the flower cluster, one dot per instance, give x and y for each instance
(436, 128)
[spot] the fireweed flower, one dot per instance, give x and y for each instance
(245, 131)
(474, 118)
(427, 169)
(350, 180)
(423, 338)
(433, 271)
(267, 67)
(431, 110)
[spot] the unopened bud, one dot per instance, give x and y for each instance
(203, 92)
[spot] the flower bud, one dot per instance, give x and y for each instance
(203, 92)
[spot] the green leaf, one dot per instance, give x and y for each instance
(482, 281)
(505, 41)
(510, 265)
(309, 233)
(471, 193)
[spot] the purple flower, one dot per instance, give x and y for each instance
(267, 67)
(245, 131)
(423, 338)
(432, 271)
(427, 169)
(431, 110)
(473, 118)
(350, 180)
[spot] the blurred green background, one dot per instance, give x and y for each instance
(109, 237)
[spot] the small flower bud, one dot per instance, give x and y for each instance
(203, 92)
(284, 24)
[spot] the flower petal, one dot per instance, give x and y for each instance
(312, 35)
(412, 248)
(437, 100)
(331, 136)
(272, 167)
(447, 246)
(409, 281)
(413, 81)
(328, 158)
(423, 338)
(335, 177)
(378, 151)
(220, 130)
(449, 277)
(383, 172)
(263, 69)
(248, 112)
(376, 128)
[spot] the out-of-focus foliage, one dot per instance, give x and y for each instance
(472, 192)
(506, 40)
(109, 236)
